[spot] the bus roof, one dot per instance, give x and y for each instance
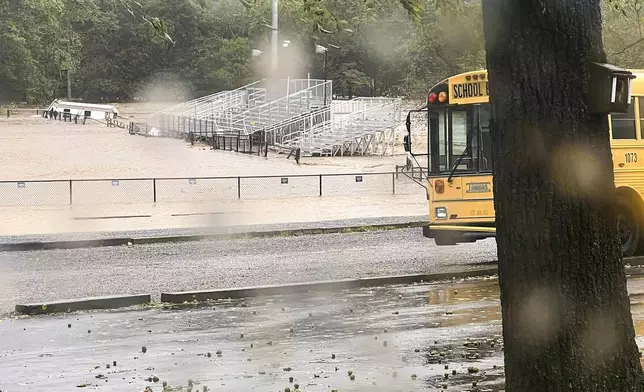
(471, 87)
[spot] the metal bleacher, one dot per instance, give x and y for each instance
(361, 126)
(246, 110)
(289, 114)
(217, 103)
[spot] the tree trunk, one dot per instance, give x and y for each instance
(567, 324)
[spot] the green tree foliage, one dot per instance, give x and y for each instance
(128, 49)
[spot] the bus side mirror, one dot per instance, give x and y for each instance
(610, 89)
(407, 143)
(407, 138)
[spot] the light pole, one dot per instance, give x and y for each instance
(274, 39)
(319, 49)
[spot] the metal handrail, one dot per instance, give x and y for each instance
(352, 120)
(202, 99)
(260, 117)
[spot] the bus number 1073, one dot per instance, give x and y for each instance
(631, 157)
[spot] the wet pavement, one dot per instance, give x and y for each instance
(397, 338)
(52, 275)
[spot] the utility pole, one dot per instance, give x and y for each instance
(326, 53)
(274, 37)
(69, 85)
(69, 65)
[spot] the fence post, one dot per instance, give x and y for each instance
(393, 182)
(70, 192)
(320, 185)
(8, 113)
(239, 187)
(154, 189)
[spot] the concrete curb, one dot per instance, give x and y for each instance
(23, 246)
(121, 301)
(110, 302)
(181, 297)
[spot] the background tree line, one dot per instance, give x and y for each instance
(112, 54)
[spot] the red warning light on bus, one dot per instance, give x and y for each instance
(439, 185)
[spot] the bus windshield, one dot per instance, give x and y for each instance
(459, 139)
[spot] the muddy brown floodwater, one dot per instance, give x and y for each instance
(34, 148)
(395, 338)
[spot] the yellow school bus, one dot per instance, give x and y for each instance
(459, 183)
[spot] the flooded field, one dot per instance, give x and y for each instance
(397, 338)
(32, 147)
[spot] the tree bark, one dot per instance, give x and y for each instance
(567, 324)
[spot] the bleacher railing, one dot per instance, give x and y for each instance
(348, 120)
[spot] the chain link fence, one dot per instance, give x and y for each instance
(130, 191)
(176, 190)
(35, 193)
(279, 187)
(359, 184)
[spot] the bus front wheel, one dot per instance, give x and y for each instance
(628, 227)
(444, 239)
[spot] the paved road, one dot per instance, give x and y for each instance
(384, 334)
(189, 231)
(65, 274)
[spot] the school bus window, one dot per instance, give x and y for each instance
(459, 137)
(623, 124)
(438, 146)
(442, 139)
(486, 139)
